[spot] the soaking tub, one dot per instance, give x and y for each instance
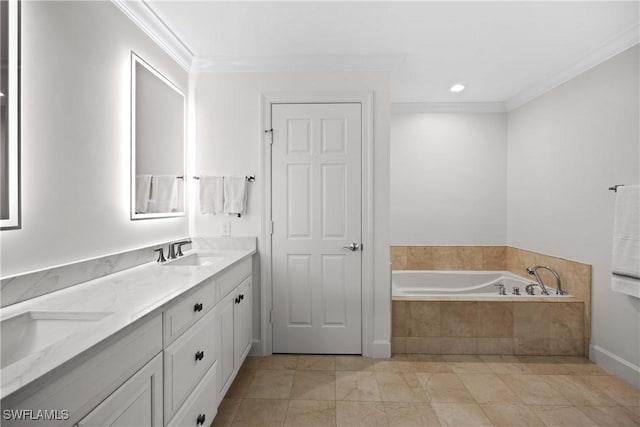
(407, 283)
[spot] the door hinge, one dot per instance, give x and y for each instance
(270, 227)
(271, 316)
(270, 132)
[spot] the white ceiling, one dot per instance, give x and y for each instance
(504, 51)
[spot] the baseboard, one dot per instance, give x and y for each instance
(379, 349)
(616, 365)
(256, 348)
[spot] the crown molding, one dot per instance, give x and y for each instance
(447, 107)
(609, 49)
(149, 22)
(298, 63)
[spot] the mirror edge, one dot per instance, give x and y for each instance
(14, 222)
(137, 59)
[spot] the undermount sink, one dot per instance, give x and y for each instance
(32, 331)
(194, 259)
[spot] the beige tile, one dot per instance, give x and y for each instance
(423, 345)
(620, 391)
(354, 363)
(533, 390)
(532, 320)
(633, 412)
(471, 367)
(614, 416)
(562, 416)
(267, 384)
(532, 346)
(447, 257)
(357, 385)
(398, 257)
(261, 412)
(495, 320)
(279, 361)
(460, 414)
(400, 387)
(398, 345)
(470, 257)
(488, 388)
(314, 385)
(423, 319)
(304, 413)
(398, 365)
(419, 258)
(433, 367)
(241, 384)
(543, 365)
(567, 320)
(459, 319)
(504, 364)
(578, 279)
(458, 345)
(566, 346)
(445, 388)
(508, 415)
(316, 363)
(410, 414)
(588, 368)
(399, 318)
(226, 412)
(352, 414)
(496, 346)
(577, 391)
(494, 258)
(462, 358)
(425, 357)
(252, 363)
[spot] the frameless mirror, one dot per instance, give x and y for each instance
(10, 114)
(157, 144)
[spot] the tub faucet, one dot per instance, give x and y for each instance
(534, 271)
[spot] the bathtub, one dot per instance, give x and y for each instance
(408, 283)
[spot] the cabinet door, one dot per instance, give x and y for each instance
(137, 402)
(225, 313)
(242, 322)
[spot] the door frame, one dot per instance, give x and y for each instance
(365, 99)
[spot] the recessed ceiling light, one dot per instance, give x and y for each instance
(458, 87)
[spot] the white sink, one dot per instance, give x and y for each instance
(194, 259)
(32, 331)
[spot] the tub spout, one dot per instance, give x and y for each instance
(534, 271)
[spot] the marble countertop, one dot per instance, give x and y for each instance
(128, 296)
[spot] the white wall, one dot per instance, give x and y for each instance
(448, 179)
(75, 136)
(229, 135)
(565, 149)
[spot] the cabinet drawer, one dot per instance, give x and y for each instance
(231, 278)
(188, 310)
(200, 407)
(187, 360)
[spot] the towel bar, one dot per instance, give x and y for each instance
(250, 178)
(615, 187)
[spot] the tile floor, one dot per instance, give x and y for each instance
(425, 390)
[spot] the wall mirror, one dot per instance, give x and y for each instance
(157, 144)
(10, 114)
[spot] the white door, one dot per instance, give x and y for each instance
(316, 212)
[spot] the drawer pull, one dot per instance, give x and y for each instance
(199, 355)
(200, 420)
(197, 306)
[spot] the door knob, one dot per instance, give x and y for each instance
(352, 247)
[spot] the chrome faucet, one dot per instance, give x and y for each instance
(173, 253)
(534, 271)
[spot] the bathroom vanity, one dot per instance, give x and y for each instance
(154, 345)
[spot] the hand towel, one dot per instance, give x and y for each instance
(143, 192)
(211, 194)
(626, 241)
(235, 194)
(164, 194)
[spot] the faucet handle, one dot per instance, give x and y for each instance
(179, 245)
(161, 257)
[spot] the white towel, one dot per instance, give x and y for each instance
(164, 194)
(143, 192)
(626, 241)
(211, 194)
(235, 194)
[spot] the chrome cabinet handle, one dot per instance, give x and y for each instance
(352, 247)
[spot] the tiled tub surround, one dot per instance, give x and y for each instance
(128, 296)
(576, 280)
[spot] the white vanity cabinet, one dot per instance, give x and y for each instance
(235, 334)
